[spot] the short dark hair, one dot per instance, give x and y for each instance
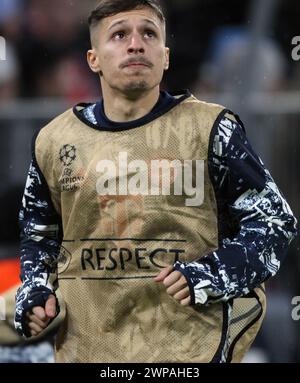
(106, 8)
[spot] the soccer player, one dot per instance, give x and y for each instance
(150, 211)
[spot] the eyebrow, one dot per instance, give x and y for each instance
(124, 22)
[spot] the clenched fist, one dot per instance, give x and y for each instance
(38, 317)
(176, 285)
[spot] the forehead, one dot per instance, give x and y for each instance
(143, 15)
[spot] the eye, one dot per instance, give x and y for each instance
(150, 34)
(119, 35)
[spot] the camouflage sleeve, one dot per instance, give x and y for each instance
(41, 237)
(256, 224)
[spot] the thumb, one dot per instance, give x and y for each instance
(163, 274)
(50, 307)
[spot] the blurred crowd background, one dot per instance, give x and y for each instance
(238, 53)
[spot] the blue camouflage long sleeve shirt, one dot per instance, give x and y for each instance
(256, 224)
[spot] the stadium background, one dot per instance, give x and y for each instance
(238, 53)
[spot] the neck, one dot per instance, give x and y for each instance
(119, 107)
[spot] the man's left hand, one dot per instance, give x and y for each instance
(176, 285)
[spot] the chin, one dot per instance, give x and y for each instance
(137, 86)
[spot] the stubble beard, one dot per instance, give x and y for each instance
(136, 86)
(132, 88)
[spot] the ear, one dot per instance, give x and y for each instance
(93, 61)
(167, 58)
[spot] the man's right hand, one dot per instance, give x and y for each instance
(39, 317)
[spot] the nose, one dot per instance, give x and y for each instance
(136, 44)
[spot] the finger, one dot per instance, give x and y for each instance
(39, 322)
(182, 294)
(39, 312)
(177, 286)
(33, 326)
(50, 306)
(186, 301)
(172, 278)
(162, 275)
(33, 333)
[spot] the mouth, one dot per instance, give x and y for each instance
(136, 65)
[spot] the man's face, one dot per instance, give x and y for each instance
(129, 51)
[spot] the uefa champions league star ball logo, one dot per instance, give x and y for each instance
(67, 154)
